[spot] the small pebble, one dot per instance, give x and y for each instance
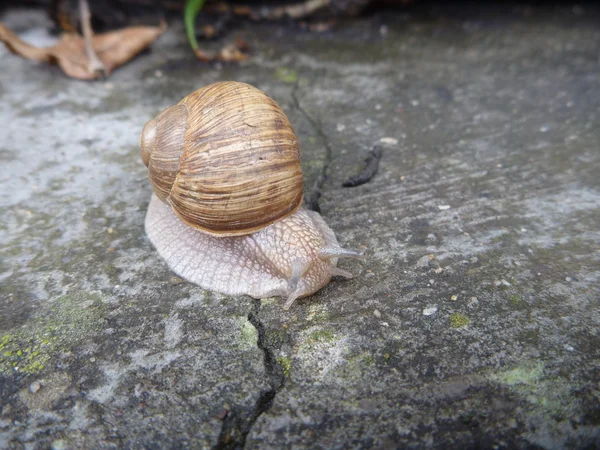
(340, 127)
(568, 279)
(454, 297)
(473, 302)
(377, 107)
(385, 324)
(569, 348)
(376, 313)
(388, 140)
(505, 283)
(34, 387)
(430, 311)
(415, 102)
(443, 207)
(158, 73)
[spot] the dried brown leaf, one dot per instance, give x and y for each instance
(114, 49)
(233, 52)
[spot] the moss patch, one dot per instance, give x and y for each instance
(546, 395)
(286, 365)
(321, 336)
(458, 320)
(286, 75)
(517, 302)
(249, 334)
(34, 345)
(528, 375)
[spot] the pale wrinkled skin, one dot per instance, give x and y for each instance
(280, 260)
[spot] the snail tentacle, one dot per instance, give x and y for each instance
(341, 272)
(299, 268)
(291, 298)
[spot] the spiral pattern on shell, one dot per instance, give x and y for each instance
(225, 158)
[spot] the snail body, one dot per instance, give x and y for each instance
(226, 210)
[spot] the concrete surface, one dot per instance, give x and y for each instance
(473, 323)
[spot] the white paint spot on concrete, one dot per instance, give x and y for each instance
(388, 140)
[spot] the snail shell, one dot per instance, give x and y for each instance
(225, 158)
(226, 210)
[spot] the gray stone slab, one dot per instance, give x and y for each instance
(473, 322)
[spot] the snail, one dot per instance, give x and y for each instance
(226, 210)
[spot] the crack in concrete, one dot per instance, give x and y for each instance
(317, 189)
(239, 421)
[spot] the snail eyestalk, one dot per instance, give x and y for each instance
(341, 272)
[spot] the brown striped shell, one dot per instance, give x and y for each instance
(225, 158)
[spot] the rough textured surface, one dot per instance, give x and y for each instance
(474, 322)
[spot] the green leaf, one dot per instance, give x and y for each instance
(192, 8)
